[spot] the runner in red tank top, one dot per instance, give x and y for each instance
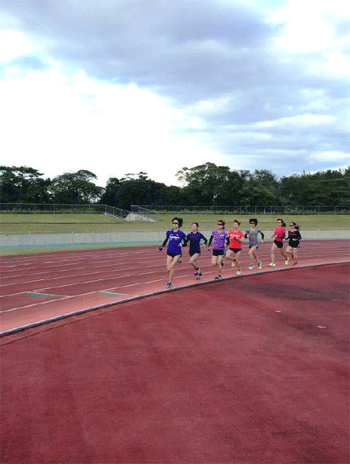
(235, 247)
(278, 236)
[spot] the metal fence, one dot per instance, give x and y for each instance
(117, 212)
(150, 213)
(171, 209)
(138, 215)
(145, 213)
(24, 208)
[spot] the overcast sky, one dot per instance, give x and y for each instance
(123, 86)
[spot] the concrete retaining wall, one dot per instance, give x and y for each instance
(12, 241)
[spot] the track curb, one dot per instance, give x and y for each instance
(156, 293)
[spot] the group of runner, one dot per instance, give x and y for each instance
(220, 239)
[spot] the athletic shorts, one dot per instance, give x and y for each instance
(278, 244)
(218, 252)
(194, 253)
(173, 254)
(236, 250)
(294, 244)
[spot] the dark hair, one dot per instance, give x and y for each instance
(295, 225)
(253, 220)
(236, 220)
(223, 222)
(283, 223)
(195, 223)
(179, 220)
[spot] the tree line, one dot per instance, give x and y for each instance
(203, 185)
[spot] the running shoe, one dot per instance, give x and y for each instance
(272, 264)
(239, 272)
(169, 285)
(251, 266)
(296, 263)
(219, 277)
(222, 263)
(286, 262)
(233, 264)
(179, 260)
(260, 264)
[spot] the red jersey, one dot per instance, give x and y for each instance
(234, 236)
(280, 233)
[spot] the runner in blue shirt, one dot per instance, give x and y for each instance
(176, 239)
(194, 238)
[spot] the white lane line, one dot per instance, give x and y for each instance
(38, 260)
(74, 296)
(72, 265)
(85, 282)
(158, 280)
(205, 267)
(153, 281)
(118, 267)
(75, 275)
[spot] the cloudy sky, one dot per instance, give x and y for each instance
(123, 86)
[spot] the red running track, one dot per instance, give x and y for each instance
(253, 373)
(46, 287)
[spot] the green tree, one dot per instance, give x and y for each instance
(210, 185)
(144, 192)
(110, 193)
(138, 189)
(330, 188)
(323, 188)
(22, 184)
(75, 188)
(260, 188)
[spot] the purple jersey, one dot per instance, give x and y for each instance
(219, 239)
(175, 239)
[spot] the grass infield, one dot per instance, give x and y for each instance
(68, 223)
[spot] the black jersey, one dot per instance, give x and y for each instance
(294, 236)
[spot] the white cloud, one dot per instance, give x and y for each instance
(334, 65)
(58, 122)
(301, 120)
(331, 156)
(250, 136)
(309, 26)
(210, 106)
(13, 44)
(137, 86)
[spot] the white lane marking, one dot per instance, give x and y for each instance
(73, 296)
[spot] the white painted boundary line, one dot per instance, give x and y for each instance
(158, 292)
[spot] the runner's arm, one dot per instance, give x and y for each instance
(204, 239)
(164, 243)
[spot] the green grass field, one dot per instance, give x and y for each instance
(68, 223)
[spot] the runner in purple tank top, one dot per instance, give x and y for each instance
(220, 239)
